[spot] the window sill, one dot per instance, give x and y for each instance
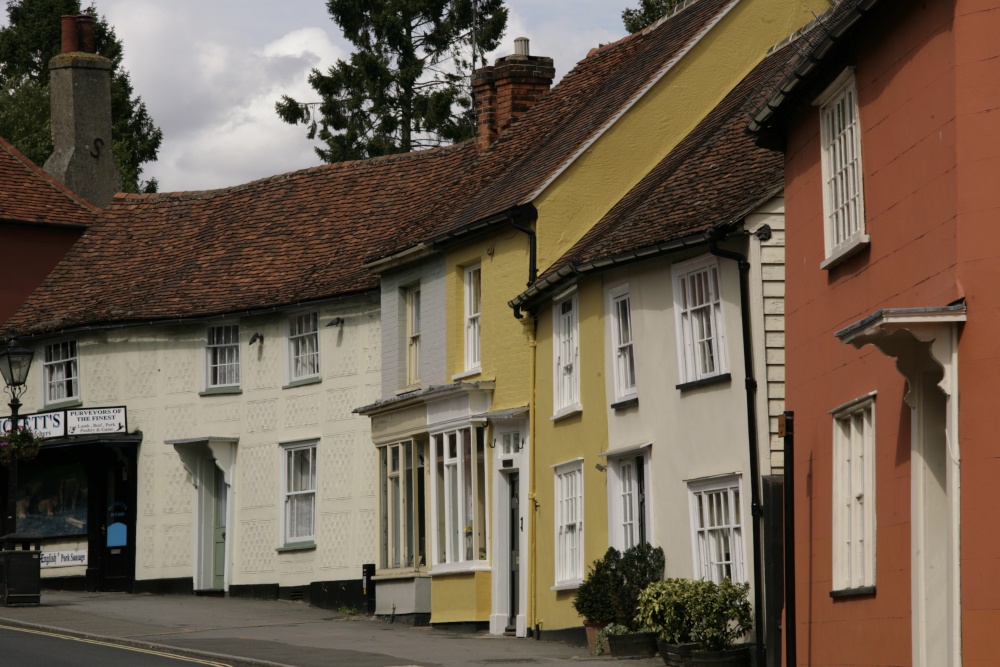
(215, 391)
(568, 411)
(396, 574)
(303, 382)
(445, 569)
(625, 403)
(467, 374)
(704, 382)
(296, 546)
(845, 250)
(61, 405)
(407, 390)
(860, 591)
(567, 585)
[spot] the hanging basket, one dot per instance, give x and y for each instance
(20, 445)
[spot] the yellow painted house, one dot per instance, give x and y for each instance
(489, 426)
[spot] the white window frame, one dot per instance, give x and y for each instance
(854, 494)
(843, 177)
(303, 346)
(61, 372)
(622, 342)
(568, 515)
(298, 491)
(412, 336)
(460, 499)
(566, 355)
(222, 357)
(473, 312)
(701, 325)
(717, 525)
(629, 498)
(402, 483)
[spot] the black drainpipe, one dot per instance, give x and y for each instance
(532, 249)
(764, 233)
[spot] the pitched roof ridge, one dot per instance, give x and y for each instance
(678, 8)
(34, 169)
(186, 195)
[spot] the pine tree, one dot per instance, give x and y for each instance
(27, 43)
(406, 86)
(647, 13)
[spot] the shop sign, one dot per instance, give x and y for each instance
(96, 420)
(64, 558)
(81, 421)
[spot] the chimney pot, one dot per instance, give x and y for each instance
(69, 43)
(521, 46)
(85, 26)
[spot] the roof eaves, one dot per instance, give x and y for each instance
(179, 321)
(566, 164)
(761, 122)
(570, 272)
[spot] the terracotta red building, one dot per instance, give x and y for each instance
(892, 154)
(40, 220)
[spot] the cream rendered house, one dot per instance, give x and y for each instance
(234, 331)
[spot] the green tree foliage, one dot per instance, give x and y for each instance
(406, 86)
(647, 13)
(31, 38)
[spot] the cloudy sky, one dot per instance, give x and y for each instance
(210, 72)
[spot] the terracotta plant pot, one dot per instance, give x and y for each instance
(676, 655)
(637, 644)
(593, 629)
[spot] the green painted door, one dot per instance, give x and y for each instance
(219, 532)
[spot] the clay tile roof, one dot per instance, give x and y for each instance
(714, 177)
(574, 112)
(287, 239)
(29, 194)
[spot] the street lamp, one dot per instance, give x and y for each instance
(14, 364)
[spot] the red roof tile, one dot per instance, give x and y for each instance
(29, 194)
(547, 137)
(714, 177)
(287, 239)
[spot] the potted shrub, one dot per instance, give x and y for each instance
(720, 615)
(640, 566)
(595, 598)
(698, 622)
(663, 606)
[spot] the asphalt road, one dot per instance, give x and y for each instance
(27, 648)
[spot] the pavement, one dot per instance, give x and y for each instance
(260, 633)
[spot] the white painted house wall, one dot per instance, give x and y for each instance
(158, 372)
(701, 432)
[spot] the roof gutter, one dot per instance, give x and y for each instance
(569, 273)
(177, 321)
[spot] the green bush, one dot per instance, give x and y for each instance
(686, 610)
(596, 597)
(641, 566)
(610, 592)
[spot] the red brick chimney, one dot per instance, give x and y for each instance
(506, 91)
(80, 89)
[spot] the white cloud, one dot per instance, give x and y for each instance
(211, 72)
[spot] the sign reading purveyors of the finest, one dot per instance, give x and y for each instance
(95, 420)
(80, 421)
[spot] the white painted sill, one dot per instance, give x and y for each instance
(567, 585)
(467, 374)
(568, 411)
(444, 570)
(845, 250)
